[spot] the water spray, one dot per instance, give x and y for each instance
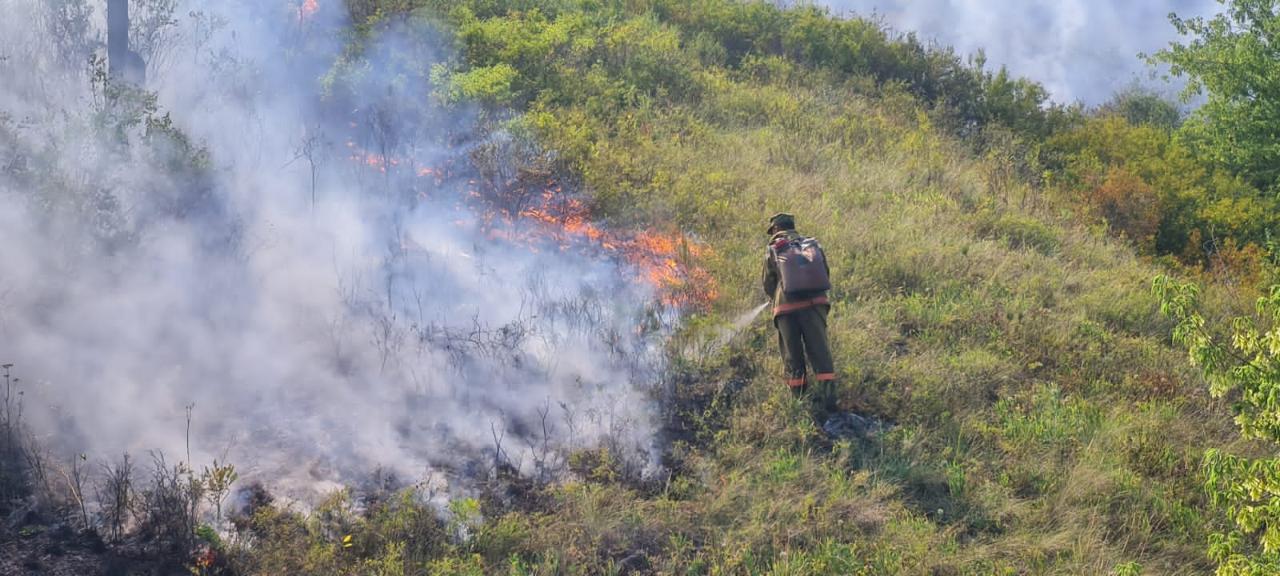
(726, 334)
(746, 318)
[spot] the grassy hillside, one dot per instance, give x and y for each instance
(1044, 423)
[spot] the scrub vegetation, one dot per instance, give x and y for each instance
(992, 256)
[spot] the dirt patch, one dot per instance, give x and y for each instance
(31, 547)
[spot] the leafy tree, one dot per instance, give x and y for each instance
(1247, 370)
(1235, 58)
(1199, 207)
(1141, 106)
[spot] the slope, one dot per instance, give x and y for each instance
(1044, 424)
(1042, 421)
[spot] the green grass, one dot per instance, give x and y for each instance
(1044, 423)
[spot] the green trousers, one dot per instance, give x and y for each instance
(802, 335)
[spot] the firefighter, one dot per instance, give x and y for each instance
(800, 317)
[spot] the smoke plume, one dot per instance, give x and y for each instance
(291, 249)
(1083, 50)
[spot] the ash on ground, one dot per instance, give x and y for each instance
(850, 425)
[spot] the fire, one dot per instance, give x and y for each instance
(376, 161)
(666, 260)
(670, 262)
(308, 9)
(571, 218)
(383, 162)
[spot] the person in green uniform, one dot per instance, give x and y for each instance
(801, 320)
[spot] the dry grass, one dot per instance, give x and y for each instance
(1043, 423)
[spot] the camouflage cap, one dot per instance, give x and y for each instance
(783, 221)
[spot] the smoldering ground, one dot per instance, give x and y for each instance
(284, 246)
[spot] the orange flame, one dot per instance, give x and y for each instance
(379, 162)
(665, 260)
(308, 9)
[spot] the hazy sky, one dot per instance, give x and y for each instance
(1079, 49)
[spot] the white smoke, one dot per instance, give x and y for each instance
(379, 324)
(1085, 50)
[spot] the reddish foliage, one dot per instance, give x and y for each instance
(1129, 205)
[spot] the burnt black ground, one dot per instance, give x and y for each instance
(32, 546)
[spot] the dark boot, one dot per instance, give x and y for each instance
(824, 400)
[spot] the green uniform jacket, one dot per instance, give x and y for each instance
(782, 301)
